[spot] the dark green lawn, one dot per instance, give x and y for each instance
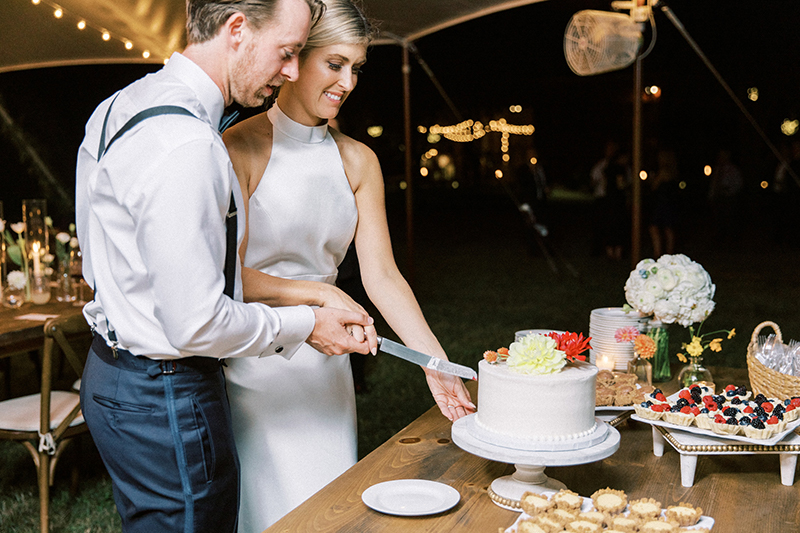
(477, 283)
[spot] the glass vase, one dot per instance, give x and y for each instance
(34, 213)
(694, 372)
(642, 369)
(65, 287)
(658, 332)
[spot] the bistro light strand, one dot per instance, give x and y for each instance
(82, 23)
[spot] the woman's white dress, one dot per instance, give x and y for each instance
(294, 421)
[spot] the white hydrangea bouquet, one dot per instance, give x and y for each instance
(672, 289)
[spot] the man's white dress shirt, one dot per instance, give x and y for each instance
(151, 226)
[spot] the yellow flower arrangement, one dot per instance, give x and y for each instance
(697, 346)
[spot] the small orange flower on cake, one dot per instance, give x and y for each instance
(498, 356)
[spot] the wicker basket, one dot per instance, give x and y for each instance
(768, 382)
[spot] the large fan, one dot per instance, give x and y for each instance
(601, 41)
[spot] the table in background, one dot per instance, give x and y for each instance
(20, 336)
(742, 493)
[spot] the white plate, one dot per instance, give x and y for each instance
(410, 497)
(705, 522)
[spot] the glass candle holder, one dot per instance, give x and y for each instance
(37, 238)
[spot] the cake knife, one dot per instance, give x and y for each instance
(434, 363)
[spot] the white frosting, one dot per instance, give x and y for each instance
(550, 408)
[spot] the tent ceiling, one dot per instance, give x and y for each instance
(31, 37)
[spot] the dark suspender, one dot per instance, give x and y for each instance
(230, 218)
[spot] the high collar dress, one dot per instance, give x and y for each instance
(294, 420)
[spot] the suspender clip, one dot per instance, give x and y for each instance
(167, 367)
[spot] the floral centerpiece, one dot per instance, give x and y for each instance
(16, 252)
(541, 354)
(675, 289)
(644, 348)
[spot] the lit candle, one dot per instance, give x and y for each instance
(605, 362)
(37, 267)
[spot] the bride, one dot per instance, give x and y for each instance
(310, 191)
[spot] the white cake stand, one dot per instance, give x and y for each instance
(506, 491)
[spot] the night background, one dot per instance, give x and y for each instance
(486, 65)
(475, 267)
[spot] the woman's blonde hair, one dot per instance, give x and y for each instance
(343, 22)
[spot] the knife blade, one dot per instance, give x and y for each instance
(434, 363)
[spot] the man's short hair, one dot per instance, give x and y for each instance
(204, 18)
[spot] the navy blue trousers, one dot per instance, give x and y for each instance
(166, 440)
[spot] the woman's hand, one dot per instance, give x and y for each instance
(450, 394)
(332, 296)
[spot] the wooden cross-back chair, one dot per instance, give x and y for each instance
(47, 421)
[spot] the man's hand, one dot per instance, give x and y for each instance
(334, 332)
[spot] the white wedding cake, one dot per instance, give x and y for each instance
(543, 402)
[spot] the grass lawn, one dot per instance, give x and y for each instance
(477, 283)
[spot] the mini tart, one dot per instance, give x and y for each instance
(562, 516)
(549, 524)
(684, 514)
(610, 501)
(567, 500)
(679, 418)
(791, 413)
(723, 428)
(534, 504)
(645, 508)
(597, 517)
(658, 526)
(624, 523)
(528, 525)
(704, 420)
(647, 412)
(583, 526)
(759, 433)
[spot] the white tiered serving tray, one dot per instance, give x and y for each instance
(506, 491)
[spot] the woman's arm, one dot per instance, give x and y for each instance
(384, 283)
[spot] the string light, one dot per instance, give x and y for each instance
(82, 24)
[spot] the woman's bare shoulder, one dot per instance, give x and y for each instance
(354, 153)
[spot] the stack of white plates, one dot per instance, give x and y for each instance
(603, 325)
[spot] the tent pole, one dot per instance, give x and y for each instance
(409, 173)
(636, 166)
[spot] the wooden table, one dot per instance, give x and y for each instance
(742, 493)
(20, 336)
(24, 335)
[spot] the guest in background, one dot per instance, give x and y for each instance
(724, 193)
(611, 181)
(664, 204)
(533, 192)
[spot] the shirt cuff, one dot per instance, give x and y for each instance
(296, 324)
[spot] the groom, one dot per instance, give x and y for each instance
(157, 219)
